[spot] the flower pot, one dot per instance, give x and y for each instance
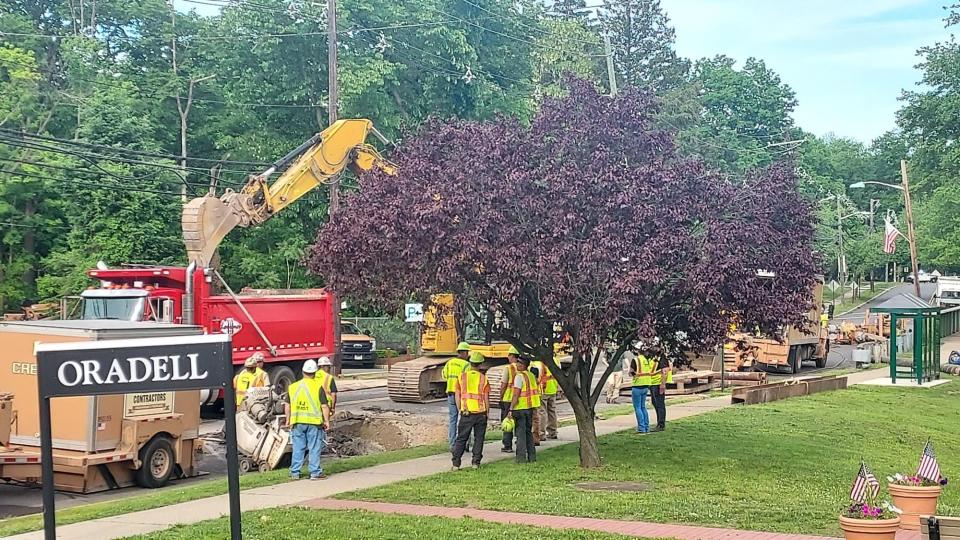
(869, 529)
(915, 501)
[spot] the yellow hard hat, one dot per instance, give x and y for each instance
(513, 350)
(463, 346)
(508, 424)
(476, 357)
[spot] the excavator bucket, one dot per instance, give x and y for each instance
(205, 222)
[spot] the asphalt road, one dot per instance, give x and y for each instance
(17, 500)
(927, 291)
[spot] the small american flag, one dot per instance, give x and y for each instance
(929, 468)
(864, 479)
(890, 237)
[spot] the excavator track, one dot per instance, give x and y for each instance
(417, 381)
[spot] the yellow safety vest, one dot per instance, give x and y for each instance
(824, 320)
(644, 365)
(262, 378)
(658, 376)
(529, 394)
(326, 381)
(548, 383)
(451, 370)
(474, 391)
(511, 375)
(305, 402)
(244, 381)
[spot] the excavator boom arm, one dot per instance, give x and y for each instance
(207, 220)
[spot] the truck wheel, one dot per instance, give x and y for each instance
(794, 360)
(282, 377)
(157, 462)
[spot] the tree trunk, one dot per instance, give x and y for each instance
(589, 448)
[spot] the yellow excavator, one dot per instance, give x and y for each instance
(207, 220)
(421, 379)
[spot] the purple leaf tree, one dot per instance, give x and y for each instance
(586, 219)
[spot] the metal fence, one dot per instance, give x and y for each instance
(950, 321)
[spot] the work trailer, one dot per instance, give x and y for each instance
(99, 442)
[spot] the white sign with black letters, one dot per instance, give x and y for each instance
(413, 312)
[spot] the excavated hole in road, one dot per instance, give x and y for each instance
(613, 486)
(378, 430)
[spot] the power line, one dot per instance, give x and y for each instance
(534, 28)
(83, 171)
(95, 185)
(127, 150)
(508, 36)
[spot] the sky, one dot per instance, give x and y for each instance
(847, 60)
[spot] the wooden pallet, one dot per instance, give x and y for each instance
(685, 382)
(693, 382)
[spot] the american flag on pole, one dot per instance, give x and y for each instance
(929, 468)
(890, 236)
(865, 478)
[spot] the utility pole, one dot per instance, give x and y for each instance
(611, 75)
(908, 209)
(333, 100)
(841, 271)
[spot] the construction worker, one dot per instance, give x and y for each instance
(473, 402)
(308, 416)
(824, 318)
(250, 377)
(451, 372)
(524, 403)
(260, 369)
(506, 396)
(641, 370)
(662, 375)
(548, 403)
(328, 381)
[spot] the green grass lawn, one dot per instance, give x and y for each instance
(785, 466)
(299, 523)
(177, 494)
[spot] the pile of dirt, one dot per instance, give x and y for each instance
(378, 430)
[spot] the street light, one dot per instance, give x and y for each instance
(904, 186)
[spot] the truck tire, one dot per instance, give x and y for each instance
(794, 361)
(157, 463)
(282, 377)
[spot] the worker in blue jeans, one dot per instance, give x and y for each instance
(308, 416)
(642, 371)
(451, 372)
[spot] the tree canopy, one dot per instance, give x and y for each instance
(587, 219)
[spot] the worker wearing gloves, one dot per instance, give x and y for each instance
(451, 372)
(250, 377)
(506, 396)
(524, 403)
(328, 381)
(662, 375)
(548, 403)
(641, 370)
(473, 402)
(308, 416)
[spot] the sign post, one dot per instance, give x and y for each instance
(129, 366)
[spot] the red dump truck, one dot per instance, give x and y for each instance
(288, 327)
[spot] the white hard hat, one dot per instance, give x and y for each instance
(310, 366)
(324, 361)
(251, 361)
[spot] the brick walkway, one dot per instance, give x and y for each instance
(628, 528)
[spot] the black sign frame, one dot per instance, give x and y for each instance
(91, 368)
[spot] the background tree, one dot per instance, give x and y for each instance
(643, 45)
(586, 219)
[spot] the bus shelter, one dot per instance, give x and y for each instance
(925, 363)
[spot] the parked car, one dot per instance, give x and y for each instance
(922, 277)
